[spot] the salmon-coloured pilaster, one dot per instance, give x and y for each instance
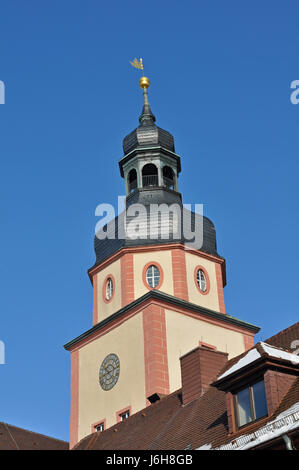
(248, 341)
(220, 287)
(95, 313)
(179, 273)
(127, 279)
(74, 421)
(155, 351)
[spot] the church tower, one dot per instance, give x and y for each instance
(156, 296)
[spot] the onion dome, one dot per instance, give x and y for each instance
(147, 133)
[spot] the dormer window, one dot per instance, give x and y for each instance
(255, 383)
(251, 403)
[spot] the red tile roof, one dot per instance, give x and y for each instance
(14, 438)
(167, 424)
(284, 338)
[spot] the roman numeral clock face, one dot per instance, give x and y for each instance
(109, 372)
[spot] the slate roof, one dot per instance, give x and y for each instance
(148, 137)
(167, 425)
(148, 134)
(114, 242)
(14, 438)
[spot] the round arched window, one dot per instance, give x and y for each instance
(153, 276)
(201, 280)
(132, 180)
(109, 289)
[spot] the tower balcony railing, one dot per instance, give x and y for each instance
(149, 180)
(168, 182)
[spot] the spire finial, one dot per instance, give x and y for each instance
(144, 83)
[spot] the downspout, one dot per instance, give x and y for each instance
(288, 442)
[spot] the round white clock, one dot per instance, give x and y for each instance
(109, 372)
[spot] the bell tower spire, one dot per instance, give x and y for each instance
(149, 161)
(146, 115)
(155, 296)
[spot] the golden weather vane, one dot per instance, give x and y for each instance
(137, 63)
(144, 81)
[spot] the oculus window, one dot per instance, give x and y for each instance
(201, 280)
(152, 276)
(109, 289)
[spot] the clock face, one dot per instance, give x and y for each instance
(109, 371)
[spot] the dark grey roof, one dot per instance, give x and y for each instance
(146, 138)
(115, 241)
(148, 134)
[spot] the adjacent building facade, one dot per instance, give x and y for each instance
(249, 402)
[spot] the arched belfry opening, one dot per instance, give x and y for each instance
(132, 180)
(149, 175)
(168, 177)
(150, 151)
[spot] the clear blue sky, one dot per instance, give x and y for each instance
(220, 74)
